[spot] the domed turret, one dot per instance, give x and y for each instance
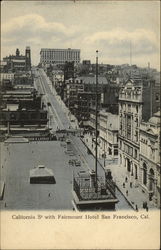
(155, 119)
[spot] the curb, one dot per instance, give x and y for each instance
(126, 198)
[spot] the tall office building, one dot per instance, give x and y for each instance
(59, 56)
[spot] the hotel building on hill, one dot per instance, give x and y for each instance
(59, 56)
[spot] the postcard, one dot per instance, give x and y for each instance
(80, 125)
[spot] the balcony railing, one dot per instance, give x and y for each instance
(85, 192)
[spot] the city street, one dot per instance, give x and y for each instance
(60, 112)
(19, 158)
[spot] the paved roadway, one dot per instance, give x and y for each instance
(60, 116)
(62, 121)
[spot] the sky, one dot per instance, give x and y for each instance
(106, 26)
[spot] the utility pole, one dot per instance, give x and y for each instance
(96, 119)
(130, 59)
(130, 54)
(104, 156)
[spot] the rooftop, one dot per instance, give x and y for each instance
(19, 159)
(58, 49)
(92, 79)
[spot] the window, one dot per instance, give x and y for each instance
(115, 151)
(136, 172)
(157, 97)
(136, 155)
(24, 116)
(120, 159)
(43, 116)
(137, 136)
(129, 127)
(144, 174)
(128, 165)
(32, 116)
(129, 108)
(151, 180)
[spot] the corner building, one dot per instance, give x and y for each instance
(139, 140)
(150, 168)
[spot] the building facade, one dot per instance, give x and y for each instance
(79, 98)
(109, 97)
(108, 134)
(130, 115)
(18, 62)
(139, 141)
(150, 169)
(8, 76)
(59, 56)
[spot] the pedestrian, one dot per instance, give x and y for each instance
(126, 179)
(49, 194)
(127, 192)
(145, 204)
(131, 184)
(136, 207)
(147, 209)
(5, 204)
(123, 184)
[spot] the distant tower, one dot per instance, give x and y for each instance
(28, 58)
(17, 52)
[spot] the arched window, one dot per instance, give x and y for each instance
(144, 174)
(151, 180)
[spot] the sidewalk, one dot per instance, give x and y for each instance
(130, 189)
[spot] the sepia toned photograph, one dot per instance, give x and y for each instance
(80, 108)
